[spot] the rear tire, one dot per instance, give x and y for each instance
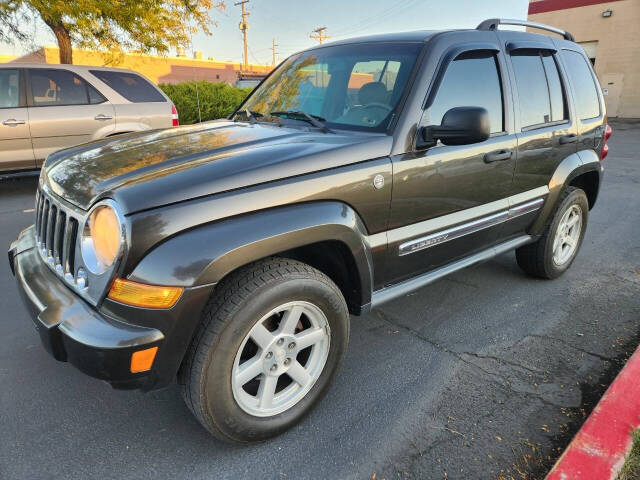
(267, 324)
(554, 252)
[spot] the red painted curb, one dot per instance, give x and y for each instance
(598, 450)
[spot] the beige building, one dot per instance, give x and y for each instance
(609, 32)
(158, 69)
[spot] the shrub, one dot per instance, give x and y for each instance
(217, 100)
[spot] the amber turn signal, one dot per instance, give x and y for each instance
(142, 360)
(142, 295)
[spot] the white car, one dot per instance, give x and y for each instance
(44, 108)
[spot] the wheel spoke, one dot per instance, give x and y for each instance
(569, 240)
(299, 374)
(267, 391)
(261, 336)
(308, 337)
(557, 246)
(573, 220)
(290, 319)
(249, 370)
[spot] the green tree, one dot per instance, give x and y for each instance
(145, 25)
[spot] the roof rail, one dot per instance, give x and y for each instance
(492, 24)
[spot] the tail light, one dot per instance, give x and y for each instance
(174, 116)
(605, 148)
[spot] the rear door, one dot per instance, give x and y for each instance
(16, 152)
(64, 110)
(448, 201)
(145, 107)
(546, 131)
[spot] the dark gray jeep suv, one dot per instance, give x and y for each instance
(230, 254)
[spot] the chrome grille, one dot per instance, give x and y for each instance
(56, 234)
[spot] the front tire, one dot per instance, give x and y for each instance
(270, 342)
(553, 253)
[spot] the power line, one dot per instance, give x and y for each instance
(378, 18)
(255, 59)
(365, 21)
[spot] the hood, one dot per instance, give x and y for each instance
(147, 170)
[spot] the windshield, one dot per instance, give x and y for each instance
(344, 86)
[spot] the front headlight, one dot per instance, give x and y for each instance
(102, 237)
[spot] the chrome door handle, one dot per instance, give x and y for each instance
(498, 155)
(103, 117)
(571, 138)
(12, 121)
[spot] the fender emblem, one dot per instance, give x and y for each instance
(378, 181)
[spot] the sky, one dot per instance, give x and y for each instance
(291, 22)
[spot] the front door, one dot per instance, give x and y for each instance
(448, 201)
(16, 152)
(64, 111)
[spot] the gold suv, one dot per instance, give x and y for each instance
(45, 108)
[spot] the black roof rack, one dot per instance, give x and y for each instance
(492, 24)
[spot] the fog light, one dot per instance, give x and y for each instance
(142, 295)
(142, 360)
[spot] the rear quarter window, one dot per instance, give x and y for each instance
(587, 103)
(131, 86)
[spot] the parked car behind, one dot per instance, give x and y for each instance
(45, 108)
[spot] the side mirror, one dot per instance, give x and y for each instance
(460, 126)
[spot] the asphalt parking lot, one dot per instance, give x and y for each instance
(484, 374)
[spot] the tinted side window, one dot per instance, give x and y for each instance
(556, 93)
(471, 80)
(95, 96)
(57, 87)
(131, 86)
(533, 93)
(9, 88)
(587, 102)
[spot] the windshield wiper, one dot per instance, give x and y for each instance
(314, 120)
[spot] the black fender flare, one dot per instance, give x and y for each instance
(205, 254)
(571, 167)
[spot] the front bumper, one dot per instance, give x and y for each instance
(70, 329)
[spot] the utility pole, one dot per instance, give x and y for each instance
(244, 26)
(319, 35)
(274, 51)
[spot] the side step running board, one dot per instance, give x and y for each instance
(387, 294)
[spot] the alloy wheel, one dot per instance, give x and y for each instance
(280, 359)
(565, 243)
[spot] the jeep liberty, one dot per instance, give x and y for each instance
(230, 254)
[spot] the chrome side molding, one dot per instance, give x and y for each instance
(452, 233)
(467, 228)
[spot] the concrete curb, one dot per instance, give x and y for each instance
(599, 449)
